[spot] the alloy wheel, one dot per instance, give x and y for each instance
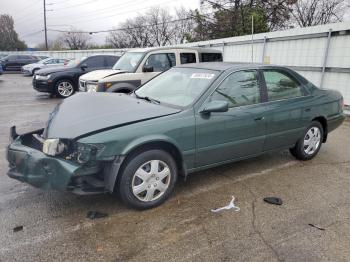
(151, 180)
(65, 89)
(312, 140)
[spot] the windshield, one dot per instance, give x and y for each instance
(45, 60)
(75, 62)
(128, 62)
(178, 86)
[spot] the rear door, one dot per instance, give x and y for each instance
(237, 133)
(287, 108)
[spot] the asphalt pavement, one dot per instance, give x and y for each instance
(311, 225)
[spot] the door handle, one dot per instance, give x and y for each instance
(259, 118)
(307, 109)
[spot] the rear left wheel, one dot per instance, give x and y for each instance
(309, 145)
(147, 179)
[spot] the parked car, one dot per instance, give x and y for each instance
(30, 69)
(0, 69)
(138, 66)
(187, 119)
(15, 62)
(63, 81)
(42, 57)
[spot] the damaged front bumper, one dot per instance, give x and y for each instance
(27, 163)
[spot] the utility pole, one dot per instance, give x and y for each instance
(252, 38)
(45, 29)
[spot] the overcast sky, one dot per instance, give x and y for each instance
(86, 15)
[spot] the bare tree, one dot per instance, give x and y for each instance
(183, 27)
(160, 29)
(156, 28)
(75, 40)
(9, 40)
(318, 12)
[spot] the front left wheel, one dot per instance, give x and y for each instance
(148, 179)
(64, 88)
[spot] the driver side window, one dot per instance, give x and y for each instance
(239, 89)
(161, 62)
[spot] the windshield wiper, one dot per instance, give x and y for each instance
(147, 98)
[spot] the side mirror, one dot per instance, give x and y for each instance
(215, 106)
(83, 66)
(147, 69)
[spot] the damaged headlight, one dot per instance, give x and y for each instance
(53, 147)
(71, 150)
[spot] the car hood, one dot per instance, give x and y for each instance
(100, 74)
(56, 69)
(74, 118)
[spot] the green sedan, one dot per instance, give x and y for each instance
(187, 119)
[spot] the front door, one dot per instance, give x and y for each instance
(237, 133)
(160, 62)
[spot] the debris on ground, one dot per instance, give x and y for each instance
(273, 200)
(95, 214)
(319, 228)
(17, 229)
(231, 205)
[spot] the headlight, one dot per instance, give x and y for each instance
(39, 77)
(108, 84)
(91, 88)
(53, 147)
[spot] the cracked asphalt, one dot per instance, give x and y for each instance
(55, 226)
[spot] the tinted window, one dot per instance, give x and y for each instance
(161, 62)
(239, 89)
(280, 85)
(96, 61)
(111, 60)
(211, 57)
(186, 58)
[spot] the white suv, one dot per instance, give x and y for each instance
(138, 66)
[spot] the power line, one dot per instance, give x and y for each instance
(102, 14)
(98, 11)
(88, 2)
(33, 33)
(115, 14)
(121, 29)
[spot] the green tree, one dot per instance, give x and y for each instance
(9, 40)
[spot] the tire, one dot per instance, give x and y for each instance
(34, 70)
(64, 88)
(140, 188)
(304, 150)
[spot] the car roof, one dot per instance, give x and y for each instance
(223, 66)
(152, 49)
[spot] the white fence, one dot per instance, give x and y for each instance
(320, 53)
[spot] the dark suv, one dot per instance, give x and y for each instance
(63, 81)
(15, 62)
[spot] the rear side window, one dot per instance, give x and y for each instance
(111, 60)
(161, 62)
(211, 57)
(281, 86)
(239, 89)
(187, 58)
(96, 61)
